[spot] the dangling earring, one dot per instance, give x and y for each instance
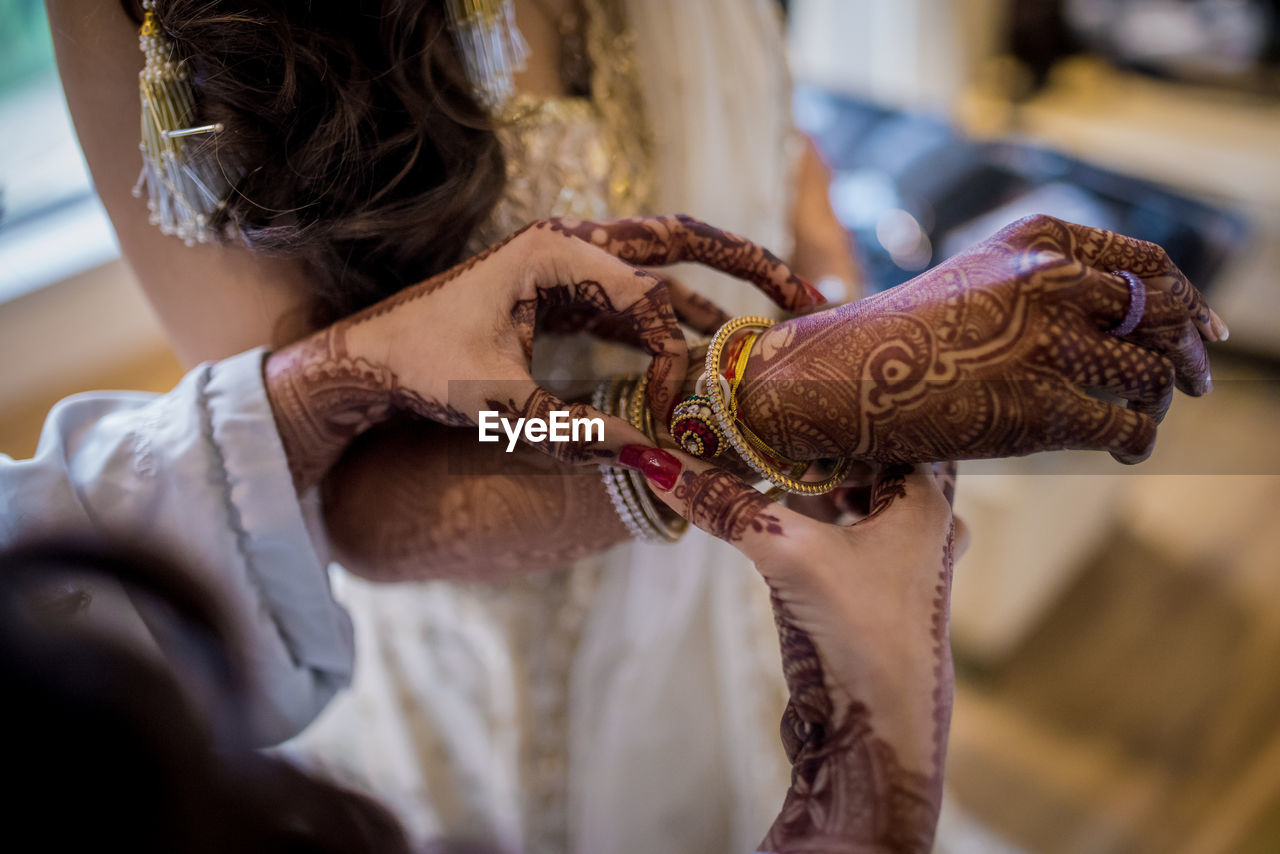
(492, 48)
(184, 191)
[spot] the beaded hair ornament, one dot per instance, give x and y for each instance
(186, 188)
(184, 191)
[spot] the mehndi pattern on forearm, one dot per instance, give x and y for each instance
(413, 501)
(323, 397)
(848, 791)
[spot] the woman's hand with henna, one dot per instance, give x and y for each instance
(460, 343)
(992, 353)
(862, 614)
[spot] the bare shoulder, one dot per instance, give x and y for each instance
(214, 301)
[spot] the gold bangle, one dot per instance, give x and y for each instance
(639, 416)
(724, 408)
(744, 353)
(778, 460)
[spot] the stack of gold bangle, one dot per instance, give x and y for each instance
(624, 397)
(724, 406)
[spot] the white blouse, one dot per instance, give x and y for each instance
(199, 474)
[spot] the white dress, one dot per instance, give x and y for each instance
(629, 703)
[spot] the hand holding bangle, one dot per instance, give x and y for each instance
(862, 615)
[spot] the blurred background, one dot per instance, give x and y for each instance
(1117, 631)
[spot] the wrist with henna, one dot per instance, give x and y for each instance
(322, 398)
(413, 500)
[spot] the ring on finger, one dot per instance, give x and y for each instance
(1137, 304)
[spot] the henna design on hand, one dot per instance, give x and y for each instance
(989, 354)
(719, 506)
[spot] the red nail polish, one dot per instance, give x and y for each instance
(815, 295)
(659, 468)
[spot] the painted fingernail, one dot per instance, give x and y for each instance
(815, 295)
(1221, 327)
(659, 468)
(1208, 383)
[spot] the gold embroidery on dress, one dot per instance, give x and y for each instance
(615, 88)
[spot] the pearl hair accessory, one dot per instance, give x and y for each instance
(186, 187)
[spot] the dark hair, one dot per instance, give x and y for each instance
(354, 140)
(107, 750)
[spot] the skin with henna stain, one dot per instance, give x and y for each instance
(956, 308)
(992, 353)
(862, 613)
(474, 324)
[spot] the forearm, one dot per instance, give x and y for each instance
(322, 398)
(851, 792)
(415, 500)
(867, 749)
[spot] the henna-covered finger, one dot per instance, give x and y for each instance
(692, 308)
(664, 240)
(659, 335)
(1118, 367)
(1182, 344)
(1165, 328)
(1139, 376)
(1129, 435)
(727, 507)
(1108, 251)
